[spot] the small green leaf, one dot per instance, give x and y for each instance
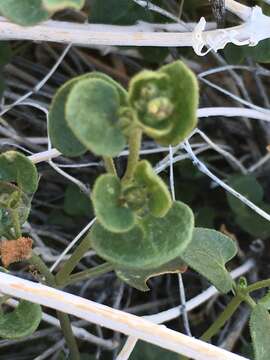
(21, 322)
(62, 137)
(150, 244)
(15, 166)
(146, 351)
(165, 102)
(5, 53)
(205, 216)
(248, 186)
(253, 223)
(60, 134)
(26, 12)
(113, 214)
(259, 53)
(234, 54)
(56, 5)
(77, 203)
(11, 197)
(138, 278)
(159, 198)
(208, 253)
(260, 332)
(117, 12)
(92, 110)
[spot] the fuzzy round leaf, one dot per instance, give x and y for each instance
(92, 114)
(207, 253)
(26, 12)
(165, 102)
(62, 137)
(107, 204)
(21, 322)
(16, 167)
(56, 5)
(150, 244)
(9, 195)
(159, 198)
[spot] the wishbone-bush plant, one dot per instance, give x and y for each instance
(140, 231)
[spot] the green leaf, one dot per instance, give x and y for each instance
(234, 54)
(15, 166)
(77, 203)
(248, 186)
(11, 197)
(260, 332)
(255, 224)
(56, 5)
(26, 12)
(159, 198)
(146, 351)
(116, 205)
(207, 253)
(149, 244)
(92, 110)
(5, 53)
(21, 322)
(117, 12)
(62, 137)
(111, 212)
(165, 102)
(205, 216)
(138, 278)
(259, 53)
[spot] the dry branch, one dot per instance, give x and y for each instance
(256, 27)
(113, 319)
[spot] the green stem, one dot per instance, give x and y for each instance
(258, 285)
(89, 273)
(39, 264)
(223, 317)
(109, 165)
(63, 274)
(16, 223)
(69, 337)
(248, 299)
(134, 153)
(36, 261)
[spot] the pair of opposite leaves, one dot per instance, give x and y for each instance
(31, 12)
(17, 168)
(93, 112)
(157, 238)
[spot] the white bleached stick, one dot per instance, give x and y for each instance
(256, 27)
(113, 319)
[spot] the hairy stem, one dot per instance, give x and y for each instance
(89, 273)
(134, 153)
(258, 285)
(36, 261)
(68, 334)
(248, 299)
(63, 274)
(223, 317)
(109, 165)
